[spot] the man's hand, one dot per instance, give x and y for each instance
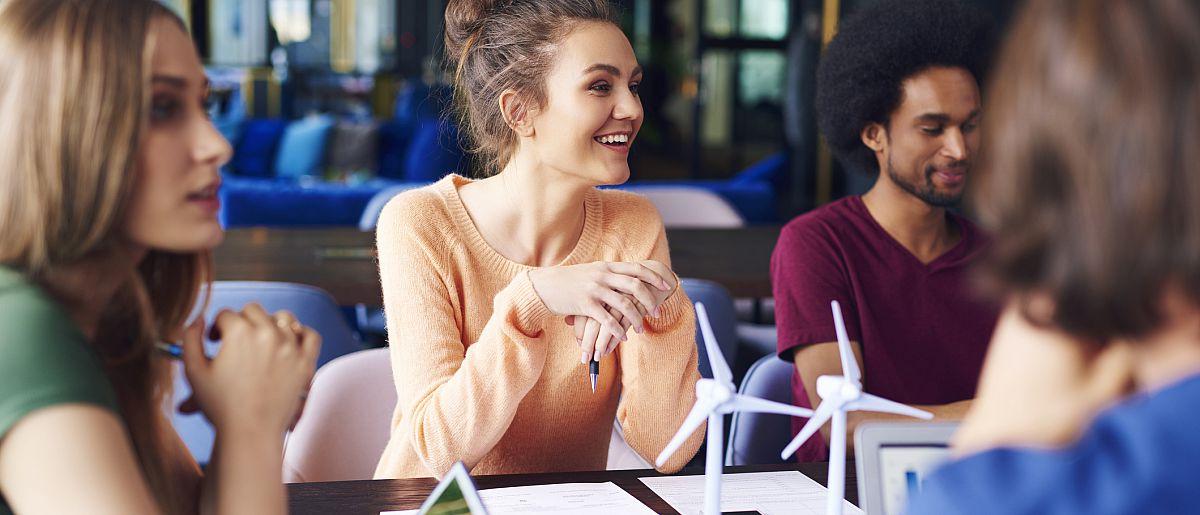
(1041, 387)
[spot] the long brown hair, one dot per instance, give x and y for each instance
(493, 46)
(74, 93)
(1091, 166)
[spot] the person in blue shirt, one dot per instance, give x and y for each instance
(1091, 184)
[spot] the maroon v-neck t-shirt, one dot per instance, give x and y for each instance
(922, 331)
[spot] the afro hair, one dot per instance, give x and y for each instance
(876, 49)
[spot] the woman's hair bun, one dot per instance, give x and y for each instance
(464, 18)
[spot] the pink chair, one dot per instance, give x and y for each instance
(346, 423)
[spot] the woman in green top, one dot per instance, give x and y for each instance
(108, 181)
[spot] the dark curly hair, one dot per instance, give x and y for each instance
(876, 49)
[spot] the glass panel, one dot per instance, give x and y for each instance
(761, 80)
(374, 33)
(292, 20)
(238, 32)
(761, 77)
(766, 19)
(719, 17)
(716, 123)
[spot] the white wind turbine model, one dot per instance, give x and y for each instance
(716, 398)
(839, 395)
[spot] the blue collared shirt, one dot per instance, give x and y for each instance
(1141, 456)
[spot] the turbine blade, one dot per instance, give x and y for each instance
(748, 403)
(819, 418)
(716, 360)
(694, 418)
(849, 365)
(870, 402)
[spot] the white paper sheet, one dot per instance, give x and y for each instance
(576, 498)
(769, 493)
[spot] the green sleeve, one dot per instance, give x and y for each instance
(44, 360)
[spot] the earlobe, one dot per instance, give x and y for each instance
(874, 136)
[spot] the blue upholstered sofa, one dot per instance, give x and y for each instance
(274, 178)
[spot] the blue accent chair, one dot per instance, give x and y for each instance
(433, 152)
(719, 305)
(312, 307)
(758, 438)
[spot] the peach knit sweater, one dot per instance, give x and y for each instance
(486, 374)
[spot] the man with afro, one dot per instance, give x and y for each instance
(898, 96)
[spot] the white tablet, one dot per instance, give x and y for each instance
(893, 459)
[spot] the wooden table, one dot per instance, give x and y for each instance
(371, 497)
(342, 260)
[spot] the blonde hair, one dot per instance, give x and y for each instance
(74, 91)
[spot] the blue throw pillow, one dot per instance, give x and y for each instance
(254, 155)
(302, 149)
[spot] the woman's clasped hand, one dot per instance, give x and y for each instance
(602, 301)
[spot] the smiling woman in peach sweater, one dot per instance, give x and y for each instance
(499, 290)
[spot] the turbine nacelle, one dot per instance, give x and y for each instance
(829, 387)
(715, 391)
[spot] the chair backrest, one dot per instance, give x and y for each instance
(346, 423)
(758, 438)
(370, 215)
(690, 207)
(312, 307)
(719, 305)
(621, 455)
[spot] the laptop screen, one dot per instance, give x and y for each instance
(903, 467)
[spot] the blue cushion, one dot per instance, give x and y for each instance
(302, 149)
(772, 169)
(433, 152)
(254, 155)
(248, 202)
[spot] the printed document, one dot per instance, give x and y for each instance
(769, 493)
(575, 498)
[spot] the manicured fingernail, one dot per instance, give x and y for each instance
(583, 357)
(656, 312)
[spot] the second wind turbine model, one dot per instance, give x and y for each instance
(716, 398)
(839, 395)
